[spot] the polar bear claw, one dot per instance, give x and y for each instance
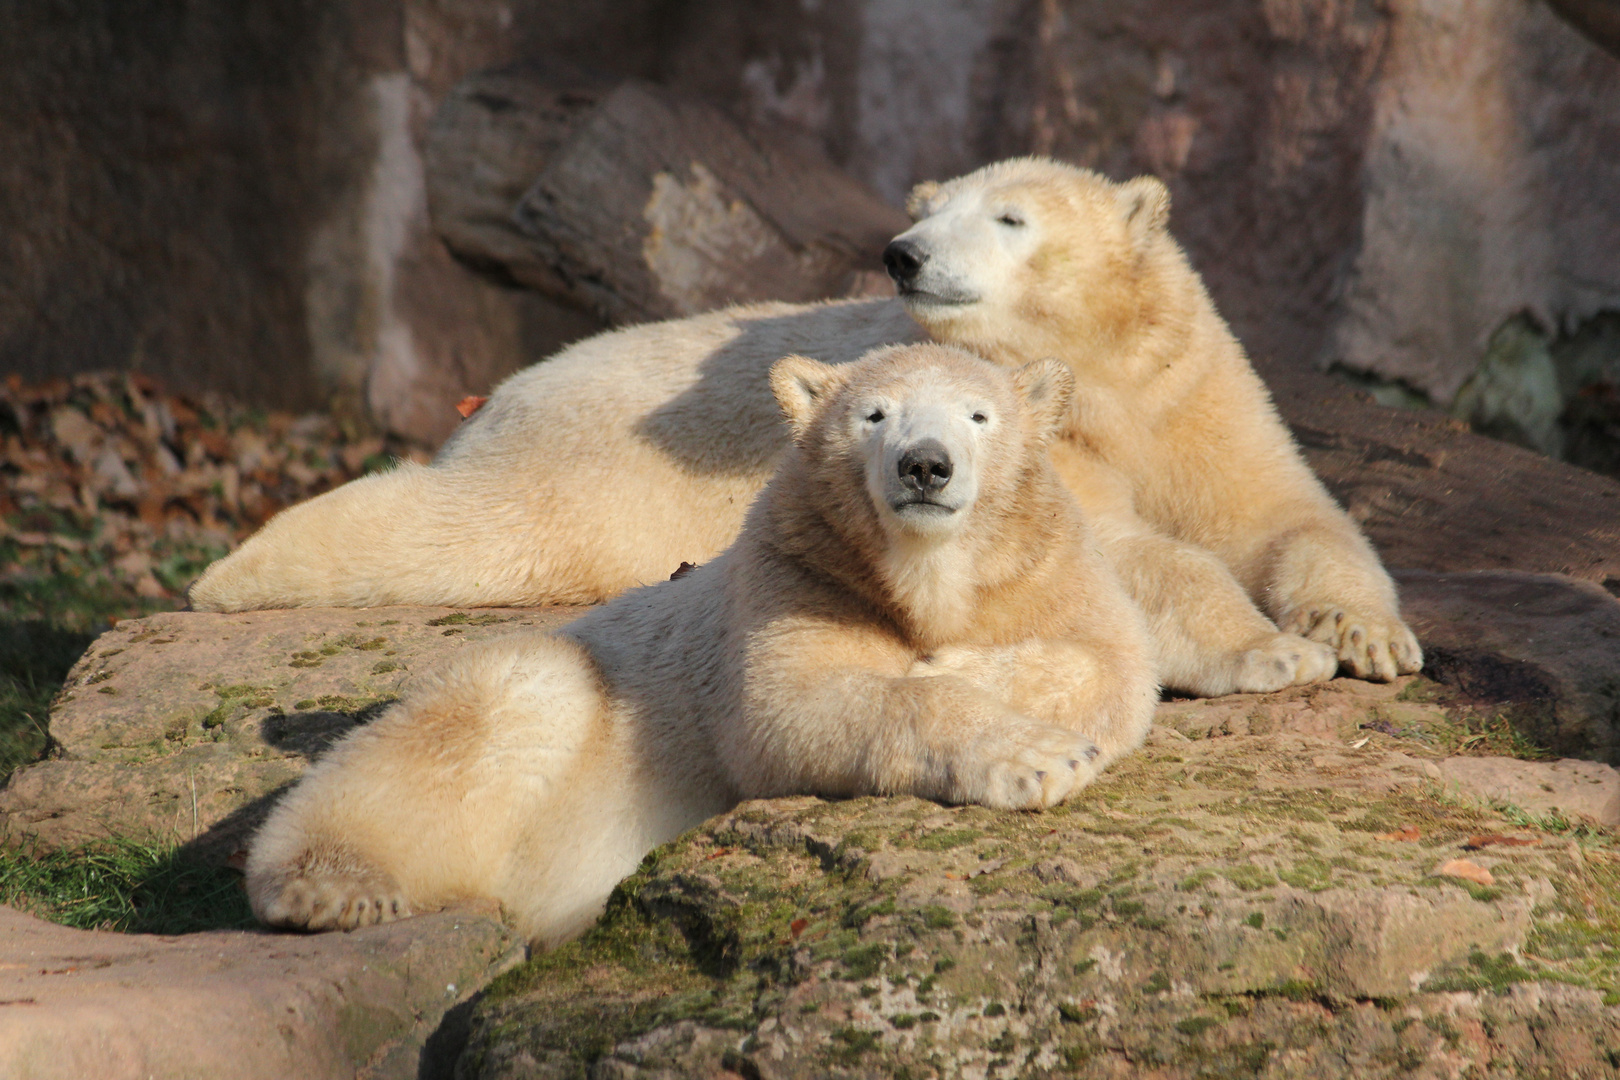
(1026, 765)
(1373, 647)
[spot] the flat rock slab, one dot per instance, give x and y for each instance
(1579, 788)
(238, 1005)
(1269, 904)
(179, 726)
(1548, 642)
(182, 725)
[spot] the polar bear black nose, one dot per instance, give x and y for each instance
(903, 259)
(925, 467)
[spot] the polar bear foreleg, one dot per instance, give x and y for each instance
(840, 730)
(1209, 636)
(1103, 692)
(1322, 579)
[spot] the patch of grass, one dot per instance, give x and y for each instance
(1483, 973)
(123, 885)
(946, 839)
(1313, 875)
(1196, 1025)
(852, 1043)
(461, 618)
(34, 659)
(1462, 727)
(78, 590)
(1248, 878)
(864, 961)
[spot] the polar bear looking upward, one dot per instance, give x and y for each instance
(914, 606)
(634, 451)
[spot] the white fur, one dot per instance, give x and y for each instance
(632, 452)
(538, 769)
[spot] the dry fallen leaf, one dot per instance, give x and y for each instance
(469, 405)
(1462, 868)
(796, 927)
(1477, 842)
(106, 464)
(1405, 832)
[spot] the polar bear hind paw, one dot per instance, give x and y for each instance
(1027, 766)
(1281, 660)
(1373, 647)
(333, 902)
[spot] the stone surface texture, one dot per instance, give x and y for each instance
(1247, 905)
(1296, 880)
(239, 203)
(180, 726)
(1545, 640)
(239, 1005)
(1571, 787)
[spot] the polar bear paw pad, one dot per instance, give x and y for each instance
(1028, 767)
(335, 903)
(1282, 660)
(1373, 647)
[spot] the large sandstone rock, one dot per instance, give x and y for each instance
(242, 1006)
(1434, 496)
(1253, 905)
(1487, 140)
(637, 204)
(185, 724)
(1276, 878)
(241, 203)
(181, 726)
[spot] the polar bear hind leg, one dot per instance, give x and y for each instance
(417, 534)
(470, 786)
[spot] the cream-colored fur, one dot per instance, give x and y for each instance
(865, 634)
(638, 450)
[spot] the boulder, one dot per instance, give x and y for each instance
(1278, 904)
(1343, 872)
(1578, 789)
(1548, 642)
(243, 1006)
(637, 203)
(1433, 495)
(182, 725)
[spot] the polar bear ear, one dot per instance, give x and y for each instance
(1144, 203)
(801, 386)
(1047, 387)
(921, 195)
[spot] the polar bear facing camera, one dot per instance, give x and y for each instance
(634, 451)
(914, 606)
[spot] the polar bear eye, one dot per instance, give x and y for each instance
(980, 418)
(1011, 218)
(876, 417)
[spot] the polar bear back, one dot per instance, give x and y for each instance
(691, 395)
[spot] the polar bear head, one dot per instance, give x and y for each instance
(920, 440)
(1031, 257)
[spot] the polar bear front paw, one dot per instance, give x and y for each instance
(328, 901)
(1372, 647)
(1281, 660)
(1025, 766)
